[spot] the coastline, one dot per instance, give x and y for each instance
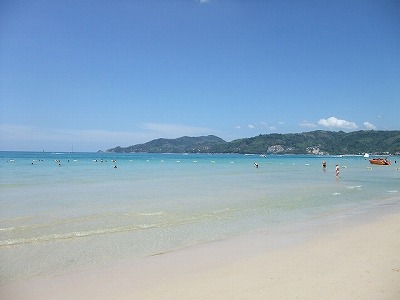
(351, 258)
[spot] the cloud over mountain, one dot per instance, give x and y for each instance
(334, 122)
(369, 125)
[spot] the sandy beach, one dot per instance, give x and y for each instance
(358, 261)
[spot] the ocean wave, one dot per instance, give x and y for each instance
(7, 229)
(158, 213)
(74, 234)
(215, 215)
(352, 187)
(50, 223)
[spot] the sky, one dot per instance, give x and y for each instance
(92, 75)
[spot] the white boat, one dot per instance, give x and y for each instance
(366, 155)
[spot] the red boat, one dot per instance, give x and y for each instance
(380, 161)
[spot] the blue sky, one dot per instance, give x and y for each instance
(97, 74)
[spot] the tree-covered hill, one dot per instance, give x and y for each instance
(186, 144)
(314, 142)
(317, 142)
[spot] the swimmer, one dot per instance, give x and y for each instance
(256, 165)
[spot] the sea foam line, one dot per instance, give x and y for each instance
(7, 229)
(158, 213)
(216, 215)
(75, 234)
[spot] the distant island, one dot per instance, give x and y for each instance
(317, 142)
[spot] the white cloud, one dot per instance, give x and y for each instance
(261, 126)
(204, 1)
(174, 131)
(307, 124)
(31, 138)
(238, 127)
(333, 122)
(369, 125)
(16, 132)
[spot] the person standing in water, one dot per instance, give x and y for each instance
(337, 171)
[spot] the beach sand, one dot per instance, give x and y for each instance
(358, 261)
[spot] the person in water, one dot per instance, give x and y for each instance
(324, 165)
(337, 171)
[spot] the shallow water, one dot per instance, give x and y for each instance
(68, 211)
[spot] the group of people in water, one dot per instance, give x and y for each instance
(337, 169)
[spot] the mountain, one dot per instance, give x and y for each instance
(186, 144)
(314, 142)
(317, 142)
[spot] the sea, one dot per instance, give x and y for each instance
(63, 212)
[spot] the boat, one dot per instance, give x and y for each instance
(380, 161)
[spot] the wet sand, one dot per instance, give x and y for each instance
(355, 260)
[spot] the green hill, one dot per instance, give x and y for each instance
(314, 142)
(317, 142)
(202, 144)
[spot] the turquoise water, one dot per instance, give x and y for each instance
(61, 212)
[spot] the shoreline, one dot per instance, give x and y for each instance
(352, 257)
